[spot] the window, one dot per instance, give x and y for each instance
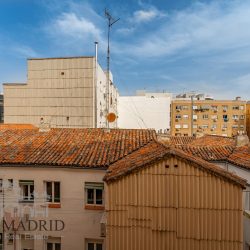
(195, 126)
(53, 246)
(236, 107)
(92, 245)
(178, 107)
(241, 107)
(27, 190)
(205, 126)
(53, 191)
(214, 117)
(185, 116)
(185, 107)
(94, 193)
(177, 126)
(225, 108)
(235, 117)
(10, 184)
(177, 117)
(242, 126)
(235, 126)
(185, 125)
(242, 117)
(195, 117)
(225, 118)
(205, 117)
(214, 126)
(214, 108)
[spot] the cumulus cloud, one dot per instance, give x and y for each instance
(69, 24)
(146, 15)
(201, 28)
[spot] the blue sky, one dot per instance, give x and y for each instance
(157, 45)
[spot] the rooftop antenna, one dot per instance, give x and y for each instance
(111, 22)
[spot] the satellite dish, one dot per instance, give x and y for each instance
(111, 117)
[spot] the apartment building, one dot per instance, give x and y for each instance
(216, 117)
(162, 198)
(62, 92)
(145, 110)
(248, 118)
(52, 188)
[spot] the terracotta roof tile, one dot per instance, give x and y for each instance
(241, 157)
(214, 148)
(180, 140)
(70, 147)
(154, 152)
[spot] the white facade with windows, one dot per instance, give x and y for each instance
(74, 196)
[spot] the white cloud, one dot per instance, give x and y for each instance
(69, 24)
(24, 51)
(146, 15)
(200, 29)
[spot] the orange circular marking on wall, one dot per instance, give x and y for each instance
(111, 117)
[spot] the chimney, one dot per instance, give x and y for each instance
(242, 140)
(238, 98)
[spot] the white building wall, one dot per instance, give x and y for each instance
(80, 223)
(148, 111)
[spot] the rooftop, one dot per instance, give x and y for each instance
(81, 148)
(154, 152)
(214, 148)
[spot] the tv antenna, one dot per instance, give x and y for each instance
(111, 22)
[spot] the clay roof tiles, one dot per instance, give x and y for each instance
(154, 152)
(70, 147)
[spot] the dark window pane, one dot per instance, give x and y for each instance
(31, 192)
(57, 246)
(25, 192)
(98, 246)
(91, 246)
(49, 246)
(90, 196)
(56, 191)
(49, 191)
(98, 196)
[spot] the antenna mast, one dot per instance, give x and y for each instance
(111, 21)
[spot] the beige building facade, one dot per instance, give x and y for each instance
(61, 92)
(248, 118)
(167, 200)
(215, 117)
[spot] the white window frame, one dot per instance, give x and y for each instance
(95, 186)
(29, 198)
(53, 191)
(95, 242)
(53, 241)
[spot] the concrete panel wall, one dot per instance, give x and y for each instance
(58, 92)
(172, 205)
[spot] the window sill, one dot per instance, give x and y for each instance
(25, 201)
(94, 207)
(54, 205)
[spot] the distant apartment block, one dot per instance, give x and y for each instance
(208, 116)
(61, 92)
(1, 108)
(145, 110)
(248, 118)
